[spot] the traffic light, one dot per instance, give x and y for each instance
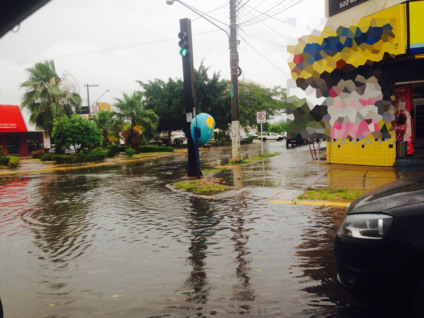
(183, 43)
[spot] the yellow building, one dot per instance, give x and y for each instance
(368, 64)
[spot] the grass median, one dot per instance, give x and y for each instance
(208, 185)
(331, 195)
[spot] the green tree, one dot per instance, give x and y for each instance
(213, 96)
(254, 98)
(76, 132)
(141, 121)
(277, 128)
(48, 96)
(166, 100)
(109, 125)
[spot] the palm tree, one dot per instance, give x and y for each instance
(142, 121)
(108, 124)
(48, 96)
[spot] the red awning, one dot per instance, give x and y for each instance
(11, 119)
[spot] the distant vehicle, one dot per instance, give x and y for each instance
(271, 136)
(67, 151)
(244, 138)
(284, 134)
(177, 138)
(379, 247)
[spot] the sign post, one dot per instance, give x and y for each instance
(261, 118)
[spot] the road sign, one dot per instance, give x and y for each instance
(260, 117)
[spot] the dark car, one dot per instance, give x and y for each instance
(379, 247)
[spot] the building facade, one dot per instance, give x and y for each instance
(367, 68)
(16, 136)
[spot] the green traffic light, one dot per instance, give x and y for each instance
(183, 52)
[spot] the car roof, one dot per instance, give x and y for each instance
(13, 12)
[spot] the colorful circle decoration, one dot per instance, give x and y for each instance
(205, 125)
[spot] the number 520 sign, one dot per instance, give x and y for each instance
(336, 6)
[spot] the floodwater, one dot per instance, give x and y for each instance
(115, 242)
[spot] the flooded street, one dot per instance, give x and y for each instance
(116, 242)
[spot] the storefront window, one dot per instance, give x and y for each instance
(34, 142)
(13, 144)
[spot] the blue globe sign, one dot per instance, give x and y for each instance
(205, 125)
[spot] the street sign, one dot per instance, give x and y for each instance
(260, 117)
(336, 6)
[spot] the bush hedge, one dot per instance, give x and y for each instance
(75, 158)
(14, 162)
(129, 151)
(4, 161)
(112, 150)
(156, 149)
(47, 157)
(95, 156)
(37, 154)
(64, 158)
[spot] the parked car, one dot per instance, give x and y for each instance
(379, 247)
(67, 151)
(294, 142)
(178, 138)
(271, 136)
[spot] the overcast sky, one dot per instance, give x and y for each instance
(114, 43)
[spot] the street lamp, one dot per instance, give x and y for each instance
(171, 2)
(235, 72)
(108, 90)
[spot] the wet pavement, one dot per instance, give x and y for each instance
(116, 242)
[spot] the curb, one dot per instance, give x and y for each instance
(190, 194)
(312, 203)
(116, 162)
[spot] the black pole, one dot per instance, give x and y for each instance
(189, 96)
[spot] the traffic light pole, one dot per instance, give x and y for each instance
(235, 116)
(189, 94)
(235, 72)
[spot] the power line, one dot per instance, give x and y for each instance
(264, 56)
(106, 50)
(267, 16)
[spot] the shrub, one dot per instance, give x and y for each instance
(4, 161)
(249, 139)
(14, 162)
(112, 150)
(223, 143)
(95, 156)
(156, 149)
(37, 154)
(129, 151)
(64, 158)
(47, 157)
(99, 149)
(80, 157)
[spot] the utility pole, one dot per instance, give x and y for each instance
(186, 52)
(88, 94)
(235, 115)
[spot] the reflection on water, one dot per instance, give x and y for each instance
(115, 242)
(242, 290)
(201, 224)
(315, 259)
